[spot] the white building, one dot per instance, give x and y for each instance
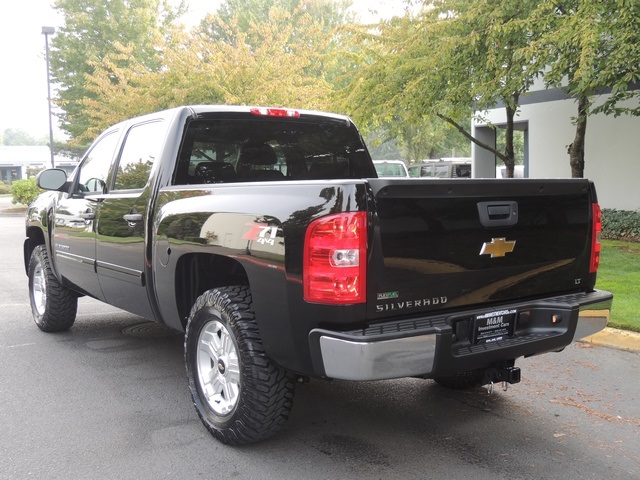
(15, 160)
(612, 147)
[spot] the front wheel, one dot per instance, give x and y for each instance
(240, 396)
(54, 306)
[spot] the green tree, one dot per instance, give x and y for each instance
(382, 147)
(278, 70)
(14, 136)
(245, 14)
(92, 30)
(238, 20)
(590, 47)
(64, 149)
(392, 130)
(454, 61)
(414, 141)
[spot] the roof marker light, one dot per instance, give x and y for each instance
(275, 112)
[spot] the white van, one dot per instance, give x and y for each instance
(390, 168)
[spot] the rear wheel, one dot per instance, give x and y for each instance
(240, 396)
(53, 306)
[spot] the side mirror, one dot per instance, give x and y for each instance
(52, 179)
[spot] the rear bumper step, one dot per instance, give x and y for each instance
(446, 344)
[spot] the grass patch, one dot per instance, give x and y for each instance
(16, 208)
(619, 273)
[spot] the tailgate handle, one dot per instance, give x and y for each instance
(498, 214)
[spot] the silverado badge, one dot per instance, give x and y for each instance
(498, 247)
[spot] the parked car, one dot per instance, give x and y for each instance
(390, 168)
(454, 168)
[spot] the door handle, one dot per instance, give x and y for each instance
(498, 213)
(133, 217)
(88, 215)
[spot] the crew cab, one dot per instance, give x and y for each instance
(266, 237)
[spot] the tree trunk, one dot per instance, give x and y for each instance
(576, 149)
(510, 159)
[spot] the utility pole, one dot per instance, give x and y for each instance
(46, 32)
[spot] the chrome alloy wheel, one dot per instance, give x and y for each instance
(39, 290)
(218, 368)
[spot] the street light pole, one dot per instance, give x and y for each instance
(49, 31)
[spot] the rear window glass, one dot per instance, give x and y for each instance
(245, 149)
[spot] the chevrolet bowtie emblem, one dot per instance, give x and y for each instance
(498, 247)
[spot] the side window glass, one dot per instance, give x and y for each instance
(93, 172)
(141, 149)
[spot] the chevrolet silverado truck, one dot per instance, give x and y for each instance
(264, 235)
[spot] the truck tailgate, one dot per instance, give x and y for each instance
(441, 244)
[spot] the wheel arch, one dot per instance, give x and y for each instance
(35, 237)
(197, 273)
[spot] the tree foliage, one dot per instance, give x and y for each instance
(416, 140)
(94, 29)
(368, 92)
(589, 48)
(328, 17)
(24, 191)
(592, 48)
(16, 136)
(452, 62)
(275, 62)
(245, 14)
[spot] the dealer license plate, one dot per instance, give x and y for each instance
(494, 326)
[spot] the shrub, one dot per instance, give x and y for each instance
(621, 225)
(4, 188)
(25, 191)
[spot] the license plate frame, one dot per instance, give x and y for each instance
(494, 326)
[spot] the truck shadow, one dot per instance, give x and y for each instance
(371, 429)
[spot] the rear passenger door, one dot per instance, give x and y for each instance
(121, 222)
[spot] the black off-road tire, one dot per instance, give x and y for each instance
(54, 306)
(239, 394)
(463, 380)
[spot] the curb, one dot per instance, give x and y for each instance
(614, 338)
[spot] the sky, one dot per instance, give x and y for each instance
(23, 70)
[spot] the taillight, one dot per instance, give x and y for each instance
(335, 257)
(596, 234)
(275, 112)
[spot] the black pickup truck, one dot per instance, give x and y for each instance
(264, 235)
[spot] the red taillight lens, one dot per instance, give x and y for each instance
(596, 234)
(335, 257)
(275, 112)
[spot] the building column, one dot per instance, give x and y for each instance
(484, 162)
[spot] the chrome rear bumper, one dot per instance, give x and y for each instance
(592, 319)
(403, 351)
(401, 357)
